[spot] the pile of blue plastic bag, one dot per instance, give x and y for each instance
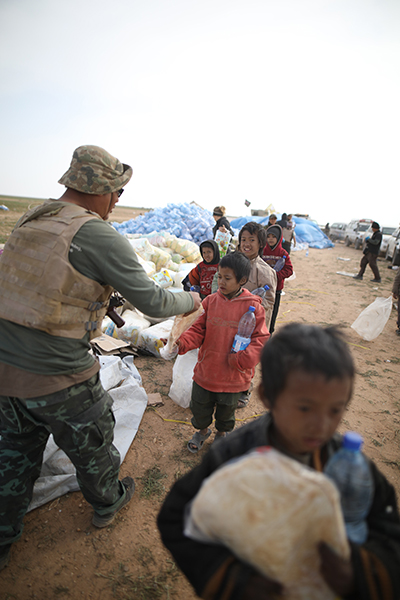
(190, 222)
(307, 232)
(186, 221)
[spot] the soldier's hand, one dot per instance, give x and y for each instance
(337, 572)
(197, 302)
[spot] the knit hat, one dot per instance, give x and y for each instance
(95, 171)
(375, 225)
(275, 230)
(218, 212)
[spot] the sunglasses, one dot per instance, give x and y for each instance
(120, 192)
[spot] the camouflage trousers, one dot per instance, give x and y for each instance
(82, 423)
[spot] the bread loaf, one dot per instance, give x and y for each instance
(272, 512)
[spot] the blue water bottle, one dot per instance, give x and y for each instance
(195, 288)
(245, 329)
(351, 473)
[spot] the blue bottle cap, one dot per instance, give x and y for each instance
(266, 287)
(252, 308)
(352, 441)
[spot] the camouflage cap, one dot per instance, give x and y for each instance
(95, 171)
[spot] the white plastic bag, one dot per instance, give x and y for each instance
(182, 378)
(151, 338)
(370, 323)
(181, 324)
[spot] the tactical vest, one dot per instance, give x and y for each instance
(39, 288)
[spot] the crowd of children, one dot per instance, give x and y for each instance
(307, 383)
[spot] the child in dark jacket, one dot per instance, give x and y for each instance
(220, 376)
(307, 383)
(277, 258)
(203, 273)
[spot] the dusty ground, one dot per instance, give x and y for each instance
(61, 555)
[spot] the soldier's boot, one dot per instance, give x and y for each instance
(105, 520)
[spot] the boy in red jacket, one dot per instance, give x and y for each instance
(277, 258)
(219, 375)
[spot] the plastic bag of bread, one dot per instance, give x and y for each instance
(181, 323)
(272, 512)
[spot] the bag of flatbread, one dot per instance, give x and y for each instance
(181, 323)
(272, 512)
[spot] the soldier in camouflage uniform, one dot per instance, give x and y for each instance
(58, 270)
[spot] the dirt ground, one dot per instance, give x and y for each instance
(61, 555)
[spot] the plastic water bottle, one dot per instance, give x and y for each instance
(261, 291)
(307, 252)
(195, 288)
(350, 471)
(280, 263)
(245, 329)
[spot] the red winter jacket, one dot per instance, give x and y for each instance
(203, 275)
(217, 370)
(272, 255)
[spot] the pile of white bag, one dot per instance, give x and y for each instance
(167, 260)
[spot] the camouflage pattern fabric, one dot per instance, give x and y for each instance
(82, 423)
(94, 171)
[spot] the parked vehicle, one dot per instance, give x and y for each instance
(386, 235)
(353, 231)
(393, 247)
(337, 232)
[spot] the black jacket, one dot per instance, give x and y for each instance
(222, 221)
(374, 243)
(214, 571)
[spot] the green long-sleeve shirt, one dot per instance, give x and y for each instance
(100, 253)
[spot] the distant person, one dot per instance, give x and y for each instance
(202, 275)
(283, 221)
(221, 222)
(277, 258)
(57, 273)
(272, 219)
(327, 229)
(371, 253)
(307, 383)
(220, 376)
(287, 232)
(396, 296)
(291, 223)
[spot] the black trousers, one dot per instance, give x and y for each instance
(370, 259)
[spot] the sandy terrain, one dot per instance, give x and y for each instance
(61, 555)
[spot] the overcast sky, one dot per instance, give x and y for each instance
(294, 103)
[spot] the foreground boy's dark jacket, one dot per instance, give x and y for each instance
(214, 571)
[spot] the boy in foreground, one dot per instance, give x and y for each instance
(307, 383)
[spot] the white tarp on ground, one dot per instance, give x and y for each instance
(57, 476)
